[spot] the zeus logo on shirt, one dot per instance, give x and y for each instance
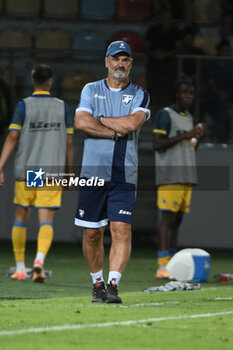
(127, 99)
(34, 126)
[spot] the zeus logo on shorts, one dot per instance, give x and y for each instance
(127, 99)
(35, 178)
(124, 212)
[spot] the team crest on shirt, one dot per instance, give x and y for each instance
(81, 213)
(127, 99)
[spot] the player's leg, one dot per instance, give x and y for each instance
(23, 198)
(184, 195)
(92, 216)
(120, 209)
(169, 198)
(121, 246)
(45, 234)
(186, 192)
(118, 258)
(47, 201)
(93, 251)
(19, 241)
(174, 231)
(163, 234)
(44, 241)
(93, 248)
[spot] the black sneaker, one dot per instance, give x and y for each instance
(99, 293)
(112, 294)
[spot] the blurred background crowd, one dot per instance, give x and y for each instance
(169, 39)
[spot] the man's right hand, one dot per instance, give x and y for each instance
(202, 128)
(197, 132)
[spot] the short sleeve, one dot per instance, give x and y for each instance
(85, 103)
(18, 117)
(141, 102)
(162, 124)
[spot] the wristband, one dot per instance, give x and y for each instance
(114, 136)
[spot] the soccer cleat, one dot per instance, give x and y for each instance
(38, 277)
(37, 266)
(99, 293)
(19, 275)
(112, 294)
(162, 273)
(38, 274)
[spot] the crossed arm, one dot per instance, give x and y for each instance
(104, 128)
(126, 124)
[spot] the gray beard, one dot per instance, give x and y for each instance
(119, 75)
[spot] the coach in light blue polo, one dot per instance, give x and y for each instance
(111, 111)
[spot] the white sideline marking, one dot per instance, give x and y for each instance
(149, 304)
(223, 298)
(109, 324)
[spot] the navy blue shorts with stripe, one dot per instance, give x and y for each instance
(99, 204)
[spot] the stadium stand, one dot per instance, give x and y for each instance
(71, 85)
(1, 6)
(90, 44)
(131, 37)
(15, 37)
(98, 9)
(61, 9)
(133, 10)
(23, 8)
(206, 43)
(207, 12)
(52, 39)
(142, 81)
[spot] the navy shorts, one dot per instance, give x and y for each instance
(99, 204)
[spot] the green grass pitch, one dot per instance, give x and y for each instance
(59, 314)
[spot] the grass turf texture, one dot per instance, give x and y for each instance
(65, 299)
